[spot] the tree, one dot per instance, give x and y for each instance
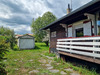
(7, 40)
(3, 49)
(46, 39)
(9, 34)
(41, 22)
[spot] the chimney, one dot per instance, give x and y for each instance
(69, 9)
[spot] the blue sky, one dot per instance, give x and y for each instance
(18, 14)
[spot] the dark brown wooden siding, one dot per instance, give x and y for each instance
(60, 33)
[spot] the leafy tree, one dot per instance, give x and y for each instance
(41, 22)
(9, 34)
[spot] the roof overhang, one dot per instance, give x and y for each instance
(77, 14)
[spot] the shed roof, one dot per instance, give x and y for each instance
(26, 36)
(77, 14)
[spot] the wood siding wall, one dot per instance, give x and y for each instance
(60, 33)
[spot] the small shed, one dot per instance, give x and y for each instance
(26, 42)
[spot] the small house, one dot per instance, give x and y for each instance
(77, 34)
(26, 42)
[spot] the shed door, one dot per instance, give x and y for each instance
(26, 43)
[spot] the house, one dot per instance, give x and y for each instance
(77, 33)
(26, 42)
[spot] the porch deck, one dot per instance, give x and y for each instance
(85, 48)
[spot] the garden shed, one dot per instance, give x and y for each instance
(26, 42)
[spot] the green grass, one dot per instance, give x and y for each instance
(50, 54)
(20, 62)
(23, 61)
(82, 70)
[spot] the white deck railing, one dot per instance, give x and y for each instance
(87, 46)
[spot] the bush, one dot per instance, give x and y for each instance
(3, 49)
(16, 48)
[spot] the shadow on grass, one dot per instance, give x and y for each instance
(36, 47)
(4, 59)
(43, 45)
(16, 50)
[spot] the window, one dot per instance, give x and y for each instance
(53, 34)
(79, 32)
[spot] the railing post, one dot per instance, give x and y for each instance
(93, 47)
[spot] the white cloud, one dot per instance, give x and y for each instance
(18, 14)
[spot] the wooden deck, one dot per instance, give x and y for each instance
(85, 48)
(89, 59)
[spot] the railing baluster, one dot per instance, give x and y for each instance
(70, 45)
(94, 47)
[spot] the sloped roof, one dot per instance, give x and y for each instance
(20, 36)
(78, 13)
(26, 36)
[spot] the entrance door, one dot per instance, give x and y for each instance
(79, 32)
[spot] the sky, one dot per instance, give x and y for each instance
(18, 14)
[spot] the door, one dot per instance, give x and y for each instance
(26, 43)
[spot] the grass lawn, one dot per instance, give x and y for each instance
(24, 61)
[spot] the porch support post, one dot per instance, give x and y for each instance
(92, 17)
(66, 28)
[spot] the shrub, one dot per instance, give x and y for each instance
(3, 49)
(16, 48)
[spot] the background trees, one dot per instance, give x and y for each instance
(41, 22)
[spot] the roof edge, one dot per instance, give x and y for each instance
(73, 12)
